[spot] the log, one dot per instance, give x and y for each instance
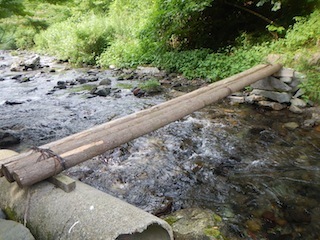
(58, 146)
(95, 141)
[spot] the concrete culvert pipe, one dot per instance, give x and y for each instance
(84, 213)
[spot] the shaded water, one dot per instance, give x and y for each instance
(237, 160)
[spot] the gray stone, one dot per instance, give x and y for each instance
(309, 123)
(286, 79)
(285, 72)
(147, 70)
(299, 93)
(8, 138)
(295, 84)
(254, 98)
(298, 102)
(105, 81)
(263, 84)
(274, 105)
(10, 230)
(24, 65)
(32, 63)
(276, 96)
(279, 85)
(236, 99)
(295, 109)
(291, 125)
(102, 91)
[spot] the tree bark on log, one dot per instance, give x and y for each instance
(31, 167)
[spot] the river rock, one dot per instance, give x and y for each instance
(8, 138)
(101, 91)
(195, 223)
(274, 105)
(279, 85)
(10, 230)
(298, 102)
(105, 81)
(291, 125)
(263, 84)
(147, 70)
(295, 109)
(276, 96)
(285, 72)
(32, 63)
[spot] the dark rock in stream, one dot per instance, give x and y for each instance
(101, 91)
(8, 138)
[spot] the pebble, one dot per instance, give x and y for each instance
(253, 225)
(295, 109)
(291, 125)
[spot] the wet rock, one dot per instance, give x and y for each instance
(273, 105)
(8, 138)
(105, 81)
(14, 102)
(82, 80)
(92, 78)
(297, 214)
(254, 98)
(2, 215)
(11, 230)
(295, 109)
(61, 85)
(298, 102)
(24, 79)
(276, 96)
(101, 91)
(137, 92)
(147, 70)
(195, 223)
(291, 125)
(236, 99)
(253, 225)
(309, 123)
(16, 77)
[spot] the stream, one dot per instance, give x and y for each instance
(237, 160)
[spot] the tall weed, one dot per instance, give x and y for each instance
(77, 40)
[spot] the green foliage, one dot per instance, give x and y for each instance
(151, 86)
(11, 7)
(77, 40)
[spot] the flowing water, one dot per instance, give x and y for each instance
(262, 179)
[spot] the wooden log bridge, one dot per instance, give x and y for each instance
(50, 159)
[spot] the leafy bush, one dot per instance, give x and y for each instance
(78, 40)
